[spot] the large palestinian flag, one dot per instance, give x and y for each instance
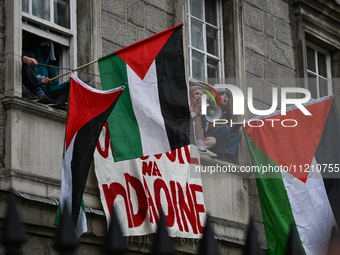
(301, 185)
(88, 109)
(152, 115)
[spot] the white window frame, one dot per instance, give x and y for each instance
(67, 39)
(219, 28)
(328, 67)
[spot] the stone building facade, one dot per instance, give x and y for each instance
(259, 43)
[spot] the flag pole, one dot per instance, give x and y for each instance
(80, 67)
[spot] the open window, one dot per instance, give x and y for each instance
(56, 21)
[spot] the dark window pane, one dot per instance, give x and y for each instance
(323, 87)
(198, 70)
(197, 34)
(212, 68)
(322, 64)
(210, 12)
(25, 6)
(211, 34)
(62, 13)
(312, 85)
(196, 8)
(311, 59)
(41, 9)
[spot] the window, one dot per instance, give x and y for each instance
(55, 11)
(205, 33)
(318, 71)
(54, 20)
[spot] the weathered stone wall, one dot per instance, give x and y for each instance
(269, 48)
(127, 21)
(270, 61)
(2, 82)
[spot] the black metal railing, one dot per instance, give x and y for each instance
(65, 240)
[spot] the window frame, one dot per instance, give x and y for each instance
(317, 49)
(219, 40)
(56, 33)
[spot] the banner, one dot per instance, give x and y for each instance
(138, 188)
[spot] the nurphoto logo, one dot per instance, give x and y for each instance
(238, 105)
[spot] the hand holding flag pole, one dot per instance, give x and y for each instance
(76, 69)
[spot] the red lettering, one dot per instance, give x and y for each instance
(139, 217)
(146, 168)
(188, 156)
(155, 171)
(187, 211)
(105, 153)
(199, 207)
(157, 186)
(180, 158)
(116, 189)
(144, 158)
(174, 199)
(171, 155)
(153, 211)
(158, 156)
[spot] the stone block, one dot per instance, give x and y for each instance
(157, 20)
(92, 201)
(118, 31)
(287, 77)
(115, 7)
(256, 41)
(254, 63)
(283, 32)
(135, 12)
(252, 17)
(233, 205)
(165, 5)
(258, 105)
(262, 91)
(282, 54)
(271, 71)
(109, 47)
(142, 34)
(30, 215)
(29, 187)
(261, 4)
(53, 192)
(268, 25)
(279, 9)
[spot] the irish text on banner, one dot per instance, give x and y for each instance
(305, 190)
(88, 109)
(138, 188)
(152, 115)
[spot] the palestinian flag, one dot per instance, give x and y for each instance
(301, 185)
(88, 109)
(152, 115)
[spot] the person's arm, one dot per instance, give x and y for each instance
(29, 61)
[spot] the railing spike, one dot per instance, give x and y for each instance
(13, 234)
(252, 243)
(115, 243)
(162, 242)
(65, 241)
(208, 245)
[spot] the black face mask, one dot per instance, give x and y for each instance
(45, 50)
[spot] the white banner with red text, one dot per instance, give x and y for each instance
(138, 188)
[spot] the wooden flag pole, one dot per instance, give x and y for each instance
(80, 67)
